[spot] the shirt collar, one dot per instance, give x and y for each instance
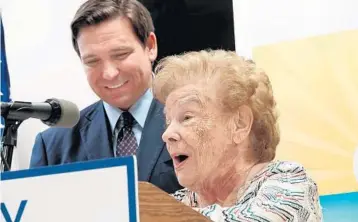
(139, 110)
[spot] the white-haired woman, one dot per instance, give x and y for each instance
(222, 135)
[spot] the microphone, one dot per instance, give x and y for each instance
(52, 112)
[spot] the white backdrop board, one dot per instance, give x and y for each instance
(101, 190)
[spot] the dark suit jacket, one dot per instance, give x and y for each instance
(91, 139)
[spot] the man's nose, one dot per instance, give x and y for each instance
(110, 71)
(171, 134)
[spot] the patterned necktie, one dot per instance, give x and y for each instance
(126, 141)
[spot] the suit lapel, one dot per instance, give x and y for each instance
(95, 136)
(151, 144)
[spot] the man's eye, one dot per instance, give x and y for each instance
(91, 62)
(120, 56)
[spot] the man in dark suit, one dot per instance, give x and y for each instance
(116, 43)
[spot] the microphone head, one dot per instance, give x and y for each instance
(70, 115)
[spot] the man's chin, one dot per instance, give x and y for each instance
(124, 103)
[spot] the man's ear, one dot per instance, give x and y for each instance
(243, 119)
(152, 47)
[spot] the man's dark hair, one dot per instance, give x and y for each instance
(94, 12)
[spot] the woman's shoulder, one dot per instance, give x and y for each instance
(285, 167)
(283, 189)
(286, 173)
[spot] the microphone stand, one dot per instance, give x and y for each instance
(8, 141)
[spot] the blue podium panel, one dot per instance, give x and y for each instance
(102, 190)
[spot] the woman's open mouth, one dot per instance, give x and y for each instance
(179, 160)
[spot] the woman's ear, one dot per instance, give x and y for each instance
(152, 47)
(242, 124)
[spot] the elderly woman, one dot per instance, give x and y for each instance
(222, 136)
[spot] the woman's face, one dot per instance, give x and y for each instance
(198, 137)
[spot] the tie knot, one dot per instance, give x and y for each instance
(127, 119)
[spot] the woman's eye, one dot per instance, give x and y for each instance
(187, 117)
(167, 123)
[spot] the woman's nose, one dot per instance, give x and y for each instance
(171, 134)
(110, 71)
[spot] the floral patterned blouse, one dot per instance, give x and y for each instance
(282, 191)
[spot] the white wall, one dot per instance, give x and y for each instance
(260, 22)
(41, 61)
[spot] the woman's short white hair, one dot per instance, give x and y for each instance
(238, 82)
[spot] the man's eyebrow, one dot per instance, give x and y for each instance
(89, 56)
(121, 49)
(117, 49)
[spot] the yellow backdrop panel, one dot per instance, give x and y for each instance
(315, 82)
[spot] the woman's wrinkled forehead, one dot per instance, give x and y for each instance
(189, 95)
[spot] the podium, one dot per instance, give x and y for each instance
(157, 206)
(101, 190)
